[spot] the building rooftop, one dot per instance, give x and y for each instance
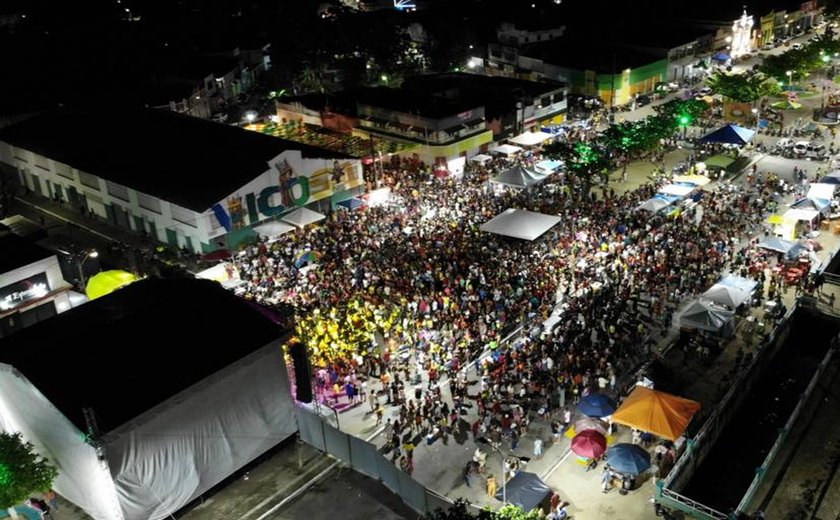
(19, 252)
(133, 349)
(497, 94)
(191, 162)
(584, 55)
(411, 102)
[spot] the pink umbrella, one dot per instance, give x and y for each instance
(591, 423)
(590, 444)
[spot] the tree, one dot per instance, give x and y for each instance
(584, 161)
(22, 471)
(743, 88)
(461, 511)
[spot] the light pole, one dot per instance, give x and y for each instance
(757, 113)
(789, 75)
(90, 253)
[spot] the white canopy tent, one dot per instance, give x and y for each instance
(481, 158)
(725, 295)
(518, 177)
(806, 215)
(505, 149)
(520, 223)
(680, 190)
(273, 229)
(530, 138)
(697, 180)
(821, 190)
(653, 205)
(302, 217)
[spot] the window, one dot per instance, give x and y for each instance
(148, 202)
(91, 181)
(41, 162)
(184, 216)
(21, 155)
(64, 170)
(117, 190)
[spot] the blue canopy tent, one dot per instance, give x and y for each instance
(525, 490)
(729, 134)
(351, 203)
(816, 204)
(831, 178)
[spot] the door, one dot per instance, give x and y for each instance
(59, 193)
(172, 237)
(36, 185)
(73, 197)
(153, 230)
(139, 224)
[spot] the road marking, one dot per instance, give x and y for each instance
(556, 465)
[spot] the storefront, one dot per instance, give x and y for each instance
(32, 289)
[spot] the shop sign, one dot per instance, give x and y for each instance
(31, 288)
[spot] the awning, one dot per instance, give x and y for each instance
(481, 158)
(680, 190)
(505, 149)
(530, 138)
(520, 223)
(777, 244)
(273, 229)
(302, 217)
(662, 414)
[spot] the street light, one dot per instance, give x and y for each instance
(789, 75)
(757, 113)
(90, 253)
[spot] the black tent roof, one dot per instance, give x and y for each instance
(127, 352)
(525, 490)
(18, 252)
(192, 162)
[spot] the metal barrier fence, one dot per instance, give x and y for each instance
(698, 447)
(783, 433)
(365, 458)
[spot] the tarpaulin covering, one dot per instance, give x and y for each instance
(525, 490)
(505, 149)
(739, 282)
(697, 180)
(680, 190)
(520, 223)
(777, 244)
(662, 414)
(821, 190)
(530, 138)
(481, 158)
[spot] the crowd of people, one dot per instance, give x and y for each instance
(412, 290)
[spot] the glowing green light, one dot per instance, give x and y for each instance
(684, 120)
(5, 475)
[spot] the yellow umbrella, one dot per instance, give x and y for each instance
(775, 219)
(107, 282)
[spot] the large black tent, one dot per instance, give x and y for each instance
(525, 490)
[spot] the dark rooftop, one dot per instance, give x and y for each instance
(582, 55)
(189, 161)
(18, 252)
(408, 102)
(127, 352)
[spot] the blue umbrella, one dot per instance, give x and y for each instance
(628, 458)
(596, 405)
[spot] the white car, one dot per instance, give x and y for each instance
(817, 152)
(801, 148)
(796, 46)
(220, 117)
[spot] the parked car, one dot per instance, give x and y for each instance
(219, 117)
(801, 148)
(816, 152)
(705, 91)
(643, 100)
(796, 46)
(768, 47)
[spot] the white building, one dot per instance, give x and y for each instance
(187, 182)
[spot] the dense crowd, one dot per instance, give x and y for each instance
(419, 275)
